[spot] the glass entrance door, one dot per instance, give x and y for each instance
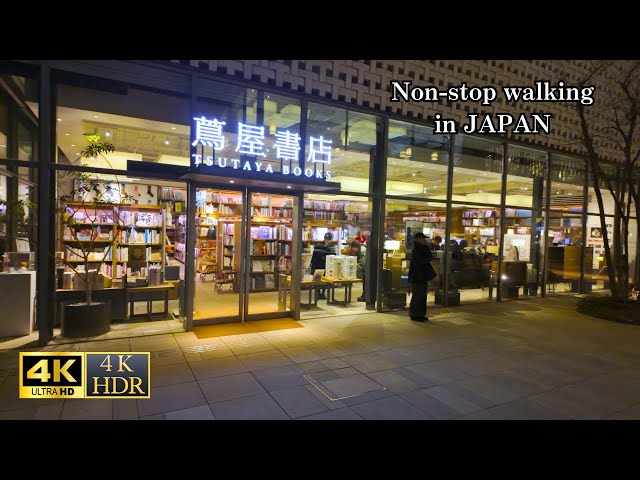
(244, 255)
(219, 223)
(270, 254)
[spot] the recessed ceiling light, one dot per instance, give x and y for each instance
(73, 144)
(231, 181)
(107, 134)
(66, 134)
(77, 153)
(95, 116)
(173, 128)
(413, 174)
(3, 146)
(59, 119)
(166, 142)
(288, 186)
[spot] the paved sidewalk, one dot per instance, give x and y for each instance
(526, 359)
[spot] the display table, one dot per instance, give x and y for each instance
(149, 294)
(17, 297)
(347, 283)
(312, 285)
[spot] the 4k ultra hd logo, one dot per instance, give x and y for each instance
(84, 375)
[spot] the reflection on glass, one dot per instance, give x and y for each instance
(477, 172)
(343, 142)
(567, 183)
(417, 161)
(526, 177)
(564, 245)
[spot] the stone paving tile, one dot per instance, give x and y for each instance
(326, 401)
(298, 402)
(20, 414)
(166, 360)
(231, 386)
(334, 363)
(159, 416)
(391, 408)
(439, 372)
(479, 415)
(344, 413)
(170, 398)
(125, 409)
(428, 353)
(429, 405)
(219, 351)
(171, 374)
(349, 386)
(217, 367)
(50, 412)
(367, 397)
(313, 367)
(203, 412)
(394, 381)
(524, 409)
(280, 378)
(631, 413)
(262, 360)
(300, 354)
(565, 404)
(452, 399)
(370, 362)
(468, 394)
(257, 407)
(83, 409)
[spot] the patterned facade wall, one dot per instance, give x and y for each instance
(367, 83)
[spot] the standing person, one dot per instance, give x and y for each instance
(420, 273)
(319, 257)
(435, 242)
(361, 237)
(360, 253)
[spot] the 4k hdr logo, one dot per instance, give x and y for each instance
(84, 375)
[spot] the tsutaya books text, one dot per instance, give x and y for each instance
(251, 140)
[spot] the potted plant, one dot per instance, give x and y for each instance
(83, 215)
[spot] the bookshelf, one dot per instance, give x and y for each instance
(117, 239)
(481, 223)
(270, 241)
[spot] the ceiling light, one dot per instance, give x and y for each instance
(67, 134)
(173, 128)
(77, 153)
(413, 174)
(569, 193)
(59, 119)
(485, 174)
(3, 146)
(288, 186)
(107, 134)
(166, 142)
(434, 156)
(422, 164)
(95, 116)
(73, 144)
(231, 181)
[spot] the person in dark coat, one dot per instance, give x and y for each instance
(319, 257)
(418, 270)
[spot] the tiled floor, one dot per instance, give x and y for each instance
(526, 359)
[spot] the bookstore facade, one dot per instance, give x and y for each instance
(218, 200)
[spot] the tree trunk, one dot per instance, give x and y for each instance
(88, 283)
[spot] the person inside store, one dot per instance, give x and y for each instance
(436, 242)
(360, 252)
(420, 273)
(361, 237)
(319, 258)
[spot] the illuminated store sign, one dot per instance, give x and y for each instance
(251, 141)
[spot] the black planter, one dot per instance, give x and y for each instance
(80, 320)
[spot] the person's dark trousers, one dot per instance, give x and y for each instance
(418, 305)
(361, 297)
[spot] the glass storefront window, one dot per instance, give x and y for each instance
(335, 227)
(143, 125)
(477, 172)
(252, 130)
(18, 118)
(567, 183)
(343, 143)
(564, 250)
(418, 161)
(526, 177)
(126, 231)
(610, 174)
